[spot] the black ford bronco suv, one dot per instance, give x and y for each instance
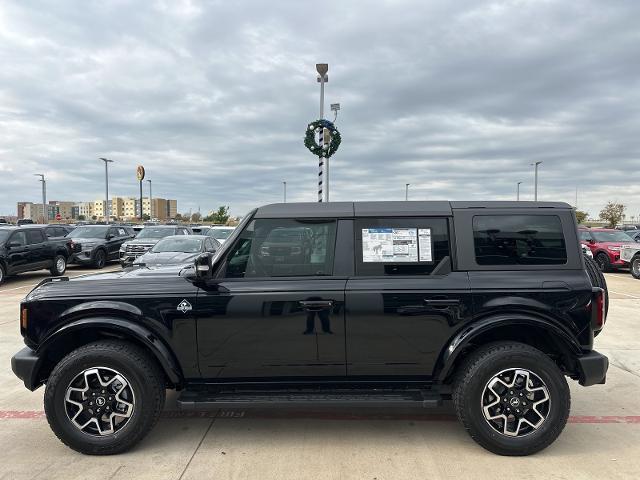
(490, 304)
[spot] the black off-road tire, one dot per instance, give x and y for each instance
(144, 376)
(99, 259)
(478, 369)
(59, 266)
(603, 262)
(634, 267)
(597, 280)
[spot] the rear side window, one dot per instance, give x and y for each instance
(34, 236)
(282, 248)
(519, 240)
(401, 246)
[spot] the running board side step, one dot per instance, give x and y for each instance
(208, 400)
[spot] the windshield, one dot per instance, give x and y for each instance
(89, 232)
(221, 233)
(151, 232)
(611, 236)
(181, 243)
(4, 234)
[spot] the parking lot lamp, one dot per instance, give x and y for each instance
(406, 191)
(150, 201)
(284, 191)
(45, 217)
(518, 191)
(106, 188)
(535, 182)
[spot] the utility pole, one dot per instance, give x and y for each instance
(535, 184)
(518, 191)
(284, 186)
(45, 215)
(106, 188)
(406, 191)
(322, 69)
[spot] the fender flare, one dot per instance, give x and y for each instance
(465, 336)
(148, 339)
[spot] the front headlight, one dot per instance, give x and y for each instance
(614, 249)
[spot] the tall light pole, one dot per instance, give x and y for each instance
(535, 183)
(518, 191)
(150, 202)
(322, 69)
(284, 191)
(106, 188)
(45, 215)
(406, 191)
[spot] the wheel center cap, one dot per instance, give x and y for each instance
(514, 402)
(100, 401)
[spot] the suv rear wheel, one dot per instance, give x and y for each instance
(511, 398)
(3, 274)
(59, 266)
(104, 397)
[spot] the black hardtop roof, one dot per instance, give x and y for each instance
(387, 209)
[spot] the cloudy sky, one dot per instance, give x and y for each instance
(455, 98)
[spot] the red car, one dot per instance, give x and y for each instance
(605, 244)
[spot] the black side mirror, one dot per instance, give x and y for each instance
(203, 265)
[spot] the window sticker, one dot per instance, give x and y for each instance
(425, 245)
(391, 244)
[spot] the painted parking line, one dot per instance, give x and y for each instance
(70, 276)
(282, 415)
(625, 294)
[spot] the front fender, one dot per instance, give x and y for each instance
(463, 338)
(123, 327)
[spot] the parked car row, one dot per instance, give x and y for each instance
(31, 247)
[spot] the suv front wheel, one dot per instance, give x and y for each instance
(104, 397)
(511, 398)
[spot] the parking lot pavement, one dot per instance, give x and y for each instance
(602, 439)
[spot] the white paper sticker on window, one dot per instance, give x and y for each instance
(390, 245)
(424, 244)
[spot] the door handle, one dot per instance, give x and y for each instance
(442, 302)
(316, 305)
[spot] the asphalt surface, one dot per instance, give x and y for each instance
(601, 441)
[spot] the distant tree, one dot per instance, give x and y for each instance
(221, 215)
(81, 217)
(195, 217)
(94, 217)
(613, 213)
(146, 217)
(178, 216)
(581, 216)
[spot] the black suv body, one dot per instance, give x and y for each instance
(28, 248)
(96, 245)
(396, 303)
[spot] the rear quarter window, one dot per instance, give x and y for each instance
(519, 240)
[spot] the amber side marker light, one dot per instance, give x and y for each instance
(23, 319)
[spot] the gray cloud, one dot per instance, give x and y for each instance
(456, 98)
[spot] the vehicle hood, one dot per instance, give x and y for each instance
(166, 258)
(143, 241)
(119, 284)
(82, 240)
(615, 244)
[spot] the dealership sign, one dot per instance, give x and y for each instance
(140, 173)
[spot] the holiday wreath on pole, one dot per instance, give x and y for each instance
(327, 149)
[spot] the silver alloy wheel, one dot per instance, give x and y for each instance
(635, 267)
(515, 402)
(61, 265)
(99, 401)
